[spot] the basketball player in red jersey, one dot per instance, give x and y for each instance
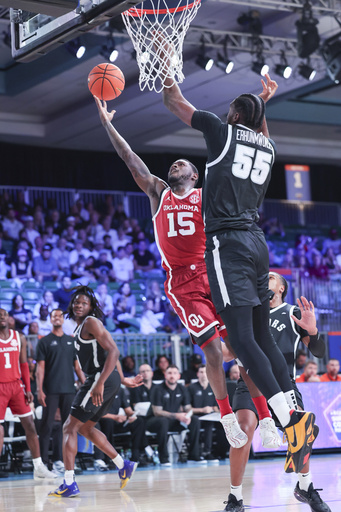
(15, 391)
(179, 234)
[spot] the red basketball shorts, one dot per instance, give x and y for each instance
(12, 395)
(189, 293)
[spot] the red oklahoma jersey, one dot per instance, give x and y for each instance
(10, 357)
(179, 229)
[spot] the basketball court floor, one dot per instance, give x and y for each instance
(181, 488)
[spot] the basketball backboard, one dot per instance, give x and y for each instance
(35, 34)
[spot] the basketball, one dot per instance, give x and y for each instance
(106, 81)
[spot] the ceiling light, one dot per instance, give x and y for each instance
(224, 63)
(306, 71)
(75, 48)
(108, 50)
(283, 69)
(260, 67)
(204, 62)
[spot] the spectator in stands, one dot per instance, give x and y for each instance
(45, 267)
(38, 219)
(105, 300)
(171, 323)
(234, 373)
(94, 228)
(57, 363)
(108, 208)
(318, 269)
(119, 216)
(70, 235)
(11, 226)
(43, 321)
(123, 267)
(21, 315)
(329, 259)
(129, 249)
(115, 423)
(289, 258)
(49, 237)
(79, 250)
(333, 241)
(82, 212)
(33, 337)
(301, 359)
(106, 229)
(123, 320)
(103, 268)
(32, 366)
(195, 361)
(22, 208)
(21, 267)
(63, 295)
(203, 402)
(56, 222)
(80, 272)
(4, 268)
(332, 374)
(128, 366)
(272, 227)
(150, 321)
(143, 259)
(31, 233)
(124, 291)
(310, 372)
(161, 365)
(158, 425)
(172, 401)
(62, 255)
(122, 239)
(155, 294)
(46, 300)
(37, 249)
(107, 246)
(302, 266)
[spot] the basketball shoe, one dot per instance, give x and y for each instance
(126, 472)
(269, 434)
(42, 473)
(298, 433)
(234, 505)
(288, 465)
(312, 498)
(66, 491)
(234, 434)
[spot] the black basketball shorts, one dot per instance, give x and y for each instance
(82, 407)
(237, 263)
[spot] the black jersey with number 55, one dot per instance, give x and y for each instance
(237, 174)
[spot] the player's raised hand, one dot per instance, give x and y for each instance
(308, 319)
(269, 88)
(105, 116)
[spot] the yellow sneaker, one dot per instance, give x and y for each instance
(300, 437)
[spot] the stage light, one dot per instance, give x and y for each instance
(259, 67)
(108, 50)
(283, 69)
(204, 62)
(308, 38)
(331, 53)
(224, 63)
(306, 71)
(75, 48)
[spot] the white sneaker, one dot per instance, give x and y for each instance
(234, 434)
(269, 433)
(41, 473)
(100, 465)
(58, 467)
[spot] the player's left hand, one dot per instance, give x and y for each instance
(133, 382)
(97, 394)
(308, 319)
(269, 88)
(29, 398)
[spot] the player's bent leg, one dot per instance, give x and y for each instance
(238, 460)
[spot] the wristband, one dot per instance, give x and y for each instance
(25, 375)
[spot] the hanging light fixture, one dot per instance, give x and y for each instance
(282, 68)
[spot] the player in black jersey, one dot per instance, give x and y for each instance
(240, 158)
(97, 354)
(289, 325)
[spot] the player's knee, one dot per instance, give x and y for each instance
(213, 354)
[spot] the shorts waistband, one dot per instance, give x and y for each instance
(198, 265)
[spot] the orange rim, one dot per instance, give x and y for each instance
(133, 11)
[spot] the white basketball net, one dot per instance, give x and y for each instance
(172, 27)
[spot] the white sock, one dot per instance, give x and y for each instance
(69, 476)
(280, 407)
(304, 480)
(118, 461)
(291, 399)
(37, 462)
(237, 491)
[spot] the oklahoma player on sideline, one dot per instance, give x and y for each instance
(16, 393)
(179, 234)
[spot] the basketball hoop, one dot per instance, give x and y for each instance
(170, 19)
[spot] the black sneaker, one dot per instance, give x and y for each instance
(311, 497)
(233, 505)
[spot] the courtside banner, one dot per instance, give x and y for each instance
(297, 179)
